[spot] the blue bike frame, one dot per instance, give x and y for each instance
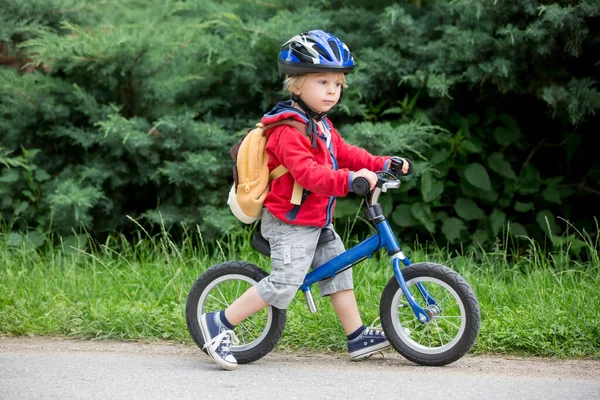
(384, 238)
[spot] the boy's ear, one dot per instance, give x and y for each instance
(298, 88)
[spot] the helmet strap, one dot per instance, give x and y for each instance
(312, 116)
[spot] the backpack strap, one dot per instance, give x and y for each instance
(277, 172)
(300, 126)
(296, 192)
(281, 170)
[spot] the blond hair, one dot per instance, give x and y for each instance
(293, 83)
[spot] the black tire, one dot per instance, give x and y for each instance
(216, 289)
(450, 334)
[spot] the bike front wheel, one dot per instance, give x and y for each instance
(218, 287)
(454, 315)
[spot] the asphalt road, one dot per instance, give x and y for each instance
(39, 368)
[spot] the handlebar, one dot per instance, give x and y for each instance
(361, 186)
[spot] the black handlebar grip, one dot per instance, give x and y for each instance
(361, 186)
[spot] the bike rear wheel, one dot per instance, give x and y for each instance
(455, 316)
(218, 287)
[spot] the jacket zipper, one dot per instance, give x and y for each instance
(334, 165)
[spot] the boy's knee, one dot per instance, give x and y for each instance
(279, 295)
(340, 282)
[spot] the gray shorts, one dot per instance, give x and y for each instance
(294, 251)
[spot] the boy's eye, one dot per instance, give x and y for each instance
(323, 82)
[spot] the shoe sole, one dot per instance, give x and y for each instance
(364, 353)
(222, 363)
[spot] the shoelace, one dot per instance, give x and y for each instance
(375, 329)
(224, 340)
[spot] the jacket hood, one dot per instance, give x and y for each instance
(283, 110)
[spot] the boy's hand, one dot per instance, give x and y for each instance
(369, 175)
(401, 166)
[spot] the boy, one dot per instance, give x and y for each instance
(325, 166)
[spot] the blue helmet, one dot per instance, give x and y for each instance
(314, 51)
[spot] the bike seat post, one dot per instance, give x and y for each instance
(310, 301)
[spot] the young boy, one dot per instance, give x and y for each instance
(325, 166)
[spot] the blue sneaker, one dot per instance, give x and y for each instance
(369, 342)
(217, 339)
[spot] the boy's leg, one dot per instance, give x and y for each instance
(217, 328)
(344, 304)
(362, 341)
(246, 305)
(291, 256)
(340, 287)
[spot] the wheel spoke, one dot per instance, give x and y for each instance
(223, 303)
(403, 304)
(438, 332)
(241, 331)
(245, 328)
(422, 331)
(251, 322)
(449, 322)
(446, 297)
(445, 333)
(237, 289)
(450, 309)
(412, 321)
(223, 297)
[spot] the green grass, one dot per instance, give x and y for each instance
(539, 303)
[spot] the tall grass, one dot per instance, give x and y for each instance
(538, 303)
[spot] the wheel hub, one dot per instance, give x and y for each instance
(433, 312)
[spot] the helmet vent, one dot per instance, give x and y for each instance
(322, 52)
(335, 47)
(301, 52)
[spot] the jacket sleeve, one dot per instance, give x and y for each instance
(293, 150)
(356, 158)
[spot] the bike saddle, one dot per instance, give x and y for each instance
(262, 245)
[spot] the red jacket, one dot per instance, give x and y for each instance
(325, 173)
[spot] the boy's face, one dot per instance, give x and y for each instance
(321, 91)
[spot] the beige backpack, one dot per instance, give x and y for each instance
(251, 175)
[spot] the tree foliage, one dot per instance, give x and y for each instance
(111, 109)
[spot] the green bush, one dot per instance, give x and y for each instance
(128, 108)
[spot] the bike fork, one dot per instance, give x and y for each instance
(417, 309)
